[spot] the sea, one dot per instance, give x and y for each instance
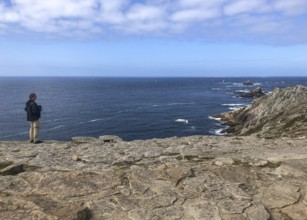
(131, 108)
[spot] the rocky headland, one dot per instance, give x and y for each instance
(199, 177)
(254, 93)
(282, 113)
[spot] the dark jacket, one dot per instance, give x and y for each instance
(33, 110)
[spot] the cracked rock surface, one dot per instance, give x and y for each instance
(197, 177)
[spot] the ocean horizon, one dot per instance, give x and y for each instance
(129, 107)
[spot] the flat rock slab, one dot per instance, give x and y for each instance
(189, 178)
(281, 194)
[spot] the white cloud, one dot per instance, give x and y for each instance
(158, 17)
(141, 27)
(191, 15)
(260, 24)
(291, 7)
(55, 8)
(112, 6)
(244, 6)
(9, 16)
(143, 12)
(196, 10)
(201, 3)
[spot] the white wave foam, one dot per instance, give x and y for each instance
(184, 121)
(233, 104)
(242, 90)
(234, 108)
(218, 132)
(94, 120)
(213, 118)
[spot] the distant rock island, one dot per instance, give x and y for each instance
(258, 173)
(248, 83)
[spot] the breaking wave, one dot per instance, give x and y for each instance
(184, 121)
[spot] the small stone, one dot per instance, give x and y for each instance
(218, 163)
(222, 161)
(75, 157)
(260, 163)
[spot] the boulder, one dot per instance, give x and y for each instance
(110, 138)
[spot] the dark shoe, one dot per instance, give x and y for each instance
(31, 141)
(38, 142)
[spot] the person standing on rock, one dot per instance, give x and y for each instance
(33, 114)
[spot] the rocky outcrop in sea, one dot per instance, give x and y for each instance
(254, 93)
(188, 178)
(282, 113)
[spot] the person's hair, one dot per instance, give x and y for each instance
(32, 95)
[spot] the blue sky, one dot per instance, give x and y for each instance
(153, 38)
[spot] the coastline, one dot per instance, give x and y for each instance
(259, 176)
(281, 113)
(138, 114)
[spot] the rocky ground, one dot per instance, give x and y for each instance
(280, 114)
(198, 177)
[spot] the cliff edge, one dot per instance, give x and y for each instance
(282, 113)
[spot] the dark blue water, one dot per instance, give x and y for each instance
(132, 108)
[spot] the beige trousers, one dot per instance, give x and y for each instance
(34, 129)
